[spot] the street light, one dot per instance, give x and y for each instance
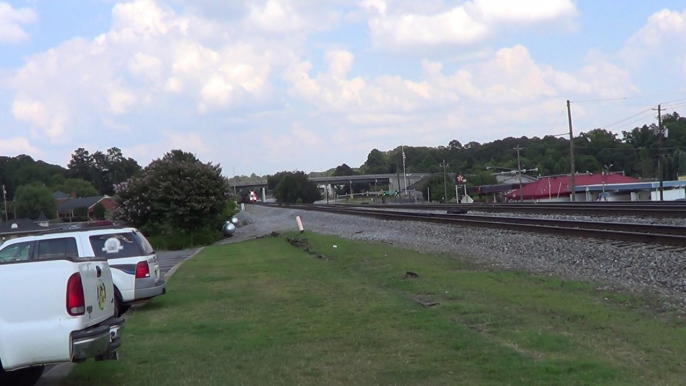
(605, 173)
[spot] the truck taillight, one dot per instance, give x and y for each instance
(142, 270)
(76, 302)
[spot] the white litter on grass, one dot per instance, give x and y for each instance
(335, 246)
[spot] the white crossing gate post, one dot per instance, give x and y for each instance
(300, 224)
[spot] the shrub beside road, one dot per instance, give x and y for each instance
(177, 201)
(264, 312)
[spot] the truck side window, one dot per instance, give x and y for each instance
(56, 248)
(15, 252)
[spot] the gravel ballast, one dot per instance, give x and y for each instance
(634, 266)
(557, 216)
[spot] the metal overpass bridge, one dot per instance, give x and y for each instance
(394, 181)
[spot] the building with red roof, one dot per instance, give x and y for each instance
(557, 188)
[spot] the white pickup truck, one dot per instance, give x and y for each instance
(54, 308)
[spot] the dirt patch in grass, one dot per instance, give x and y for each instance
(304, 245)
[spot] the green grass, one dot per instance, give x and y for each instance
(265, 313)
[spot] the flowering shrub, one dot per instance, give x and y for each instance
(176, 194)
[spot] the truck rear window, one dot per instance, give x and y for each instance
(117, 245)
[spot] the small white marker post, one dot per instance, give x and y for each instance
(300, 224)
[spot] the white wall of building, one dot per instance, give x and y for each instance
(669, 195)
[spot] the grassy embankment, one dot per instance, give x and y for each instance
(264, 312)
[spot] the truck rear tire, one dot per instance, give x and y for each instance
(119, 308)
(22, 377)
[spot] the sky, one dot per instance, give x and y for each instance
(261, 86)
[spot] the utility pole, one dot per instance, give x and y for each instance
(519, 173)
(4, 198)
(397, 171)
(571, 153)
(660, 163)
(445, 186)
(404, 172)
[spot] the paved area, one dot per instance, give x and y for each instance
(167, 260)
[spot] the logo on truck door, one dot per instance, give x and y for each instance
(102, 294)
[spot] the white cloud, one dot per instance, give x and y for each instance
(455, 26)
(510, 78)
(149, 58)
(524, 11)
(659, 26)
(168, 140)
(305, 136)
(394, 27)
(276, 16)
(12, 21)
(147, 67)
(50, 122)
(18, 145)
(661, 36)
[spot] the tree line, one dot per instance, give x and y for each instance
(633, 152)
(29, 183)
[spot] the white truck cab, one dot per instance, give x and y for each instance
(135, 269)
(56, 308)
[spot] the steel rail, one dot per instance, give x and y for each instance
(574, 209)
(627, 232)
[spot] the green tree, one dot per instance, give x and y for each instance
(376, 163)
(343, 170)
(81, 188)
(103, 170)
(175, 194)
(33, 199)
(437, 189)
(273, 180)
(295, 187)
(81, 164)
(482, 178)
(429, 162)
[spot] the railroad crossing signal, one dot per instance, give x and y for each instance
(460, 179)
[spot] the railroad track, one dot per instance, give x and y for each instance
(668, 235)
(662, 210)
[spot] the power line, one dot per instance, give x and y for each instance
(631, 122)
(625, 98)
(625, 119)
(558, 119)
(676, 100)
(676, 105)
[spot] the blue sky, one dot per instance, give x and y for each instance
(270, 85)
